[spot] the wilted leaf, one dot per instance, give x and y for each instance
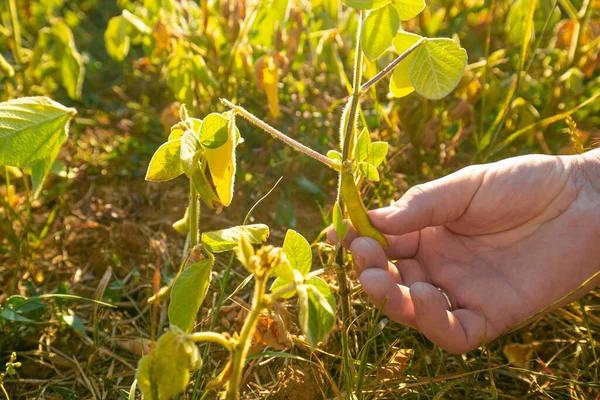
(396, 366)
(32, 129)
(297, 251)
(228, 239)
(520, 355)
(165, 163)
(169, 366)
(378, 30)
(437, 67)
(271, 331)
(188, 294)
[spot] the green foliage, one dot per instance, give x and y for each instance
(68, 59)
(316, 310)
(297, 251)
(188, 293)
(166, 163)
(165, 372)
(341, 227)
(228, 239)
(116, 38)
(379, 28)
(366, 4)
(32, 130)
(400, 84)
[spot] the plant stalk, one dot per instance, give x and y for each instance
(281, 136)
(212, 337)
(240, 351)
(16, 30)
(391, 66)
(194, 212)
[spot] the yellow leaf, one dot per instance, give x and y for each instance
(267, 75)
(520, 355)
(221, 162)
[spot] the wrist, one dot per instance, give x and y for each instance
(590, 166)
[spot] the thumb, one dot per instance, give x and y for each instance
(430, 204)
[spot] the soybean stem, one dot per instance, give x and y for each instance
(212, 337)
(194, 213)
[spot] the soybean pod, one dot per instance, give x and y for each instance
(358, 212)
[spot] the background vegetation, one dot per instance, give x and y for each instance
(99, 231)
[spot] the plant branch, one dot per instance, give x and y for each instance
(282, 136)
(194, 211)
(212, 337)
(391, 66)
(240, 351)
(16, 30)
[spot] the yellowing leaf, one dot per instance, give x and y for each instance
(116, 39)
(221, 162)
(228, 239)
(408, 9)
(520, 355)
(400, 84)
(270, 81)
(396, 366)
(437, 67)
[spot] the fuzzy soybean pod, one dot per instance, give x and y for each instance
(358, 212)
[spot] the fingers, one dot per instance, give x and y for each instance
(411, 271)
(379, 285)
(403, 246)
(430, 204)
(457, 332)
(368, 253)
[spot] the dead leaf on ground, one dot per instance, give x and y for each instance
(520, 355)
(396, 366)
(138, 346)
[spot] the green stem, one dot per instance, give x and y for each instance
(212, 337)
(194, 211)
(16, 30)
(245, 339)
(581, 24)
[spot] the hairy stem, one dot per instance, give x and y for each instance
(194, 211)
(391, 66)
(212, 337)
(281, 136)
(245, 339)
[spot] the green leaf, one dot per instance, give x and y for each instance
(213, 131)
(408, 9)
(368, 171)
(72, 69)
(400, 84)
(116, 39)
(188, 294)
(378, 30)
(366, 4)
(228, 239)
(206, 191)
(280, 283)
(322, 287)
(73, 321)
(32, 130)
(297, 251)
(176, 133)
(437, 67)
(221, 163)
(272, 13)
(362, 145)
(180, 76)
(377, 153)
(339, 225)
(316, 315)
(189, 152)
(334, 155)
(166, 162)
(137, 23)
(169, 366)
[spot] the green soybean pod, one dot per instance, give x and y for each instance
(358, 212)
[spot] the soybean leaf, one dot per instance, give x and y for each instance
(362, 145)
(339, 225)
(137, 23)
(180, 77)
(378, 30)
(334, 155)
(188, 294)
(166, 162)
(323, 287)
(316, 315)
(377, 152)
(284, 270)
(368, 171)
(116, 39)
(280, 283)
(176, 133)
(213, 131)
(202, 71)
(32, 129)
(408, 9)
(365, 4)
(298, 252)
(69, 59)
(228, 239)
(221, 163)
(437, 67)
(189, 153)
(272, 13)
(169, 366)
(400, 84)
(206, 191)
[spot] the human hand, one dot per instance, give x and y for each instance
(502, 240)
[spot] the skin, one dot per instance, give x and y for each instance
(502, 240)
